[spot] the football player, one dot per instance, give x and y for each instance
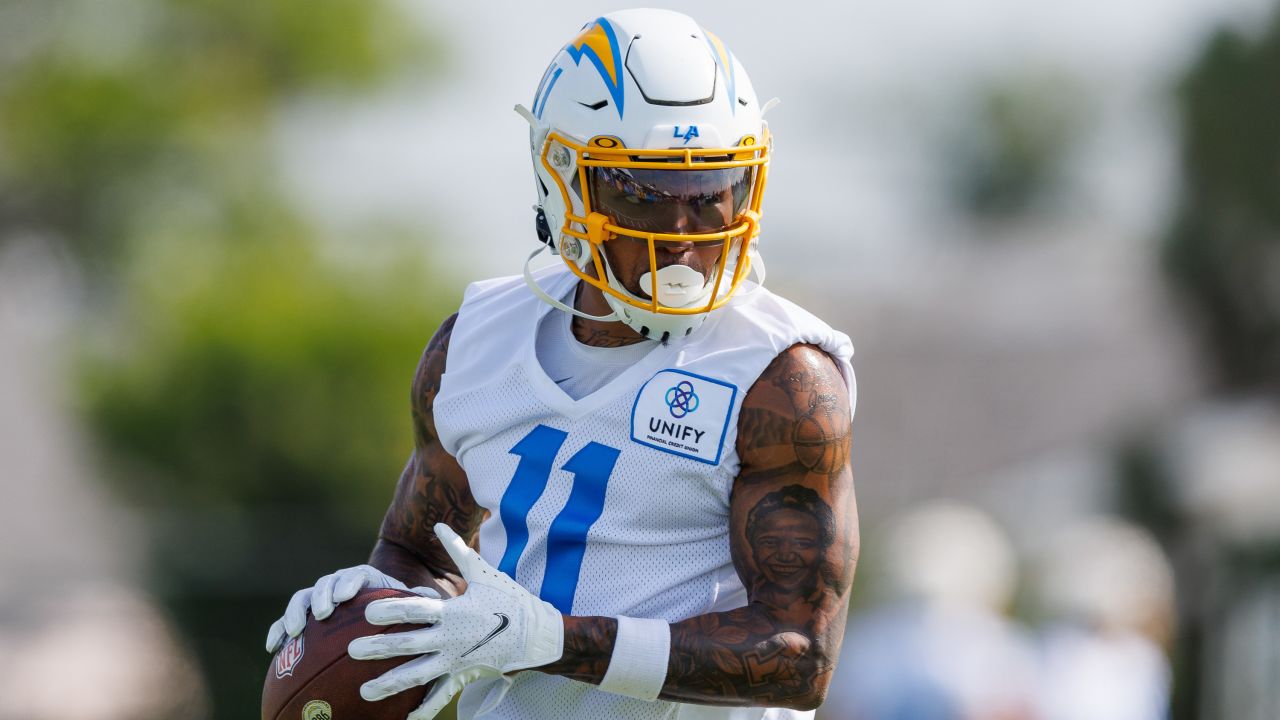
(650, 450)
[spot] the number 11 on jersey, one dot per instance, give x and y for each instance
(567, 537)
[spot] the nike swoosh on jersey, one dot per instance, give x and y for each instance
(503, 622)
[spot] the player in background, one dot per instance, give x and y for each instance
(651, 448)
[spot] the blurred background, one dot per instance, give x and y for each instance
(1053, 231)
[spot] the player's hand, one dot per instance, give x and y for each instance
(495, 627)
(328, 592)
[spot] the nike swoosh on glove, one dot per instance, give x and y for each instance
(328, 592)
(493, 628)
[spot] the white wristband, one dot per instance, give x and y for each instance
(638, 667)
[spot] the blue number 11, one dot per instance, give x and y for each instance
(567, 537)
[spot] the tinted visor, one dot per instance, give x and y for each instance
(671, 201)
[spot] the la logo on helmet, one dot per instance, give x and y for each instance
(688, 135)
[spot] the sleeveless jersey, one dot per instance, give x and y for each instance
(616, 503)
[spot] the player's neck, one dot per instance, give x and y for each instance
(599, 333)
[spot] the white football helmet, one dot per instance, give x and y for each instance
(646, 127)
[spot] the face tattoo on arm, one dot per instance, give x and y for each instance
(789, 531)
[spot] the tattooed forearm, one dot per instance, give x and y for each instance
(743, 657)
(778, 649)
(588, 646)
(793, 536)
(407, 546)
(432, 489)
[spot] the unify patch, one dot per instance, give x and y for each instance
(684, 414)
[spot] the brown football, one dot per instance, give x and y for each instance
(312, 678)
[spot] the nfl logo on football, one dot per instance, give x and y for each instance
(288, 657)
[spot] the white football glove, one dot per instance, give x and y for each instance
(328, 592)
(495, 627)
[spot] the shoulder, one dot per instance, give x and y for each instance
(426, 380)
(797, 414)
(779, 323)
(489, 287)
(494, 311)
(767, 307)
(496, 326)
(800, 368)
(511, 287)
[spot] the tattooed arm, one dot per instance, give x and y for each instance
(794, 539)
(433, 488)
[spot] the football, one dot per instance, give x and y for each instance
(311, 677)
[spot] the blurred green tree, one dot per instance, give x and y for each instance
(1006, 152)
(1223, 251)
(255, 404)
(119, 103)
(248, 387)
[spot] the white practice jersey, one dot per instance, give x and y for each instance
(616, 503)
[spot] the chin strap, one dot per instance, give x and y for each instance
(758, 268)
(533, 285)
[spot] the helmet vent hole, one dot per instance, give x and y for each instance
(742, 102)
(595, 105)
